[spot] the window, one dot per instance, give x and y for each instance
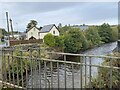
(53, 32)
(31, 33)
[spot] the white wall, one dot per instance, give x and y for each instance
(54, 29)
(33, 32)
(42, 35)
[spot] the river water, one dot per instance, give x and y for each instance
(34, 80)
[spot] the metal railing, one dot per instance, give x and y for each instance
(25, 68)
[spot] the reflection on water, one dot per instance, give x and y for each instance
(102, 50)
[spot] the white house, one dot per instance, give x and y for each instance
(49, 29)
(35, 33)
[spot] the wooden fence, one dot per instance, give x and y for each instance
(17, 42)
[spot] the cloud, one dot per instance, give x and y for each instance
(23, 8)
(60, 1)
(65, 13)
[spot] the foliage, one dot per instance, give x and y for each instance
(64, 29)
(59, 42)
(18, 61)
(31, 24)
(49, 40)
(15, 63)
(2, 39)
(74, 41)
(105, 33)
(93, 36)
(2, 32)
(104, 74)
(114, 33)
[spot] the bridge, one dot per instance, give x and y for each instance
(24, 67)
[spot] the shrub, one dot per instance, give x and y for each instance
(49, 40)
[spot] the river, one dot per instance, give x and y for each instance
(102, 50)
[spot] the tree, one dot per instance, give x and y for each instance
(115, 33)
(59, 42)
(93, 37)
(49, 40)
(74, 41)
(3, 31)
(105, 33)
(64, 29)
(31, 24)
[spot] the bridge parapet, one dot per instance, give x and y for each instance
(32, 71)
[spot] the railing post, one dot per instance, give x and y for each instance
(1, 67)
(85, 75)
(39, 66)
(111, 73)
(21, 62)
(65, 71)
(81, 78)
(90, 70)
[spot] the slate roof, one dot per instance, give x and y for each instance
(47, 28)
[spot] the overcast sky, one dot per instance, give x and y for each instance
(93, 13)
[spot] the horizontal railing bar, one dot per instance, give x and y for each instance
(34, 48)
(24, 50)
(6, 49)
(12, 49)
(68, 62)
(84, 55)
(71, 54)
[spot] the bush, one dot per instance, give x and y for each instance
(93, 37)
(104, 74)
(105, 33)
(59, 42)
(49, 40)
(75, 41)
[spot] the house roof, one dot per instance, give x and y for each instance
(47, 28)
(31, 28)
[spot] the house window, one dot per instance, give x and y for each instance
(31, 33)
(53, 32)
(34, 29)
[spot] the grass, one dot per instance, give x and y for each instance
(2, 42)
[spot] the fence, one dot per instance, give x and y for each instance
(17, 42)
(25, 68)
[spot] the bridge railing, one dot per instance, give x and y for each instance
(27, 69)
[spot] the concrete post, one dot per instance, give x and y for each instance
(0, 68)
